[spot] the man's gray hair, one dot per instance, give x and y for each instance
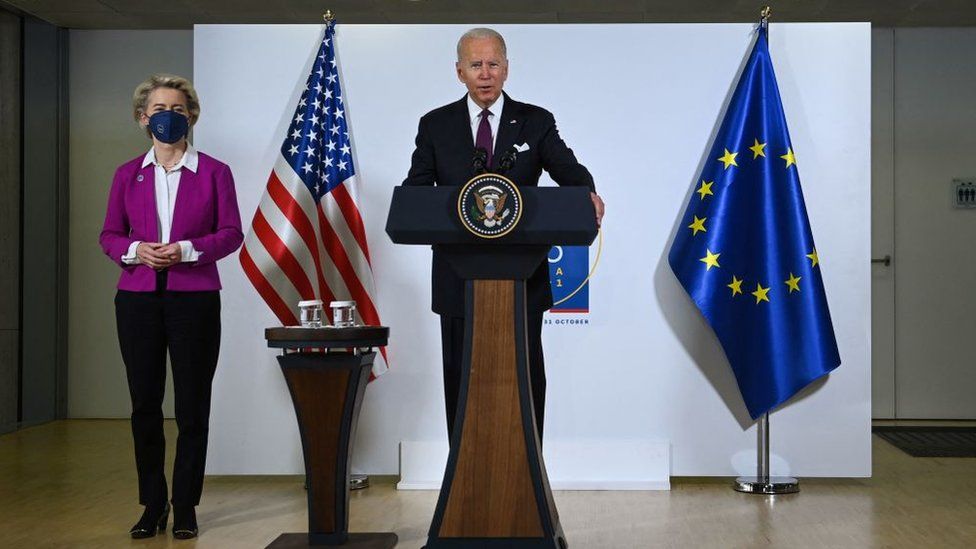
(482, 32)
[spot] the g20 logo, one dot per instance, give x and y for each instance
(570, 272)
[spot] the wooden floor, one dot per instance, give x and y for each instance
(72, 484)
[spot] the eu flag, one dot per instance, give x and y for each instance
(744, 251)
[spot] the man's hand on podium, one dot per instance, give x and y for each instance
(599, 207)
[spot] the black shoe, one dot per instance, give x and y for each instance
(185, 522)
(153, 520)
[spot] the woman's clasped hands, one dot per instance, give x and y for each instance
(159, 255)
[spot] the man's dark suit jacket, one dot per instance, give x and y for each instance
(443, 157)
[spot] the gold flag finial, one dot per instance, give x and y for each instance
(764, 15)
(328, 16)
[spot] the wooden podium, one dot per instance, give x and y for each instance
(327, 389)
(495, 491)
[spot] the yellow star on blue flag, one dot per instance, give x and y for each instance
(762, 229)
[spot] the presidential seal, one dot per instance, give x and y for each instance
(489, 205)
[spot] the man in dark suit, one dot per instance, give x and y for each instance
(446, 139)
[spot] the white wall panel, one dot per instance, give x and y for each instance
(638, 104)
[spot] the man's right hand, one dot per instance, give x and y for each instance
(151, 254)
(599, 206)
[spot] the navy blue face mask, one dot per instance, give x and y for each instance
(169, 126)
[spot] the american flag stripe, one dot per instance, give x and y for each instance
(308, 239)
(286, 293)
(265, 290)
(282, 255)
(309, 214)
(355, 222)
(287, 204)
(289, 238)
(337, 250)
(348, 244)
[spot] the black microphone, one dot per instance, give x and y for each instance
(507, 160)
(479, 160)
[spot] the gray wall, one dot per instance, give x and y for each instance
(44, 222)
(882, 223)
(10, 114)
(105, 68)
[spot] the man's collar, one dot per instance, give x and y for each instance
(190, 160)
(474, 111)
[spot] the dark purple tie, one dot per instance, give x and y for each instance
(484, 135)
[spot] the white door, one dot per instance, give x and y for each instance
(934, 256)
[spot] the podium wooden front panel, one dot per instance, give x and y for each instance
(492, 495)
(327, 390)
(321, 398)
(495, 491)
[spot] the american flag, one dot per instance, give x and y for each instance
(307, 239)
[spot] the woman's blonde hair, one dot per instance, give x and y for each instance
(140, 98)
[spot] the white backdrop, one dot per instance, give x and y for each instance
(638, 104)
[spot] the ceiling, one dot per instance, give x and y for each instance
(183, 14)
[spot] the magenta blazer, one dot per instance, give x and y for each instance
(206, 214)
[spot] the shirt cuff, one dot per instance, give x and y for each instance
(130, 257)
(189, 254)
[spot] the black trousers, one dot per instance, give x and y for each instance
(188, 325)
(452, 351)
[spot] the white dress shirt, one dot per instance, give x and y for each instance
(166, 184)
(494, 120)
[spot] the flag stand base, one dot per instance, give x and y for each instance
(358, 482)
(768, 485)
(763, 483)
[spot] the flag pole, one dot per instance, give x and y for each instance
(763, 482)
(356, 481)
(762, 453)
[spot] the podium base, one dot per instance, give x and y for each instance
(497, 543)
(768, 485)
(384, 540)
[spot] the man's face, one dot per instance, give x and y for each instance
(483, 69)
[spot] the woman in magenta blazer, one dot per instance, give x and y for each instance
(172, 214)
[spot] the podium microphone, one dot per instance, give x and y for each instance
(507, 161)
(479, 160)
